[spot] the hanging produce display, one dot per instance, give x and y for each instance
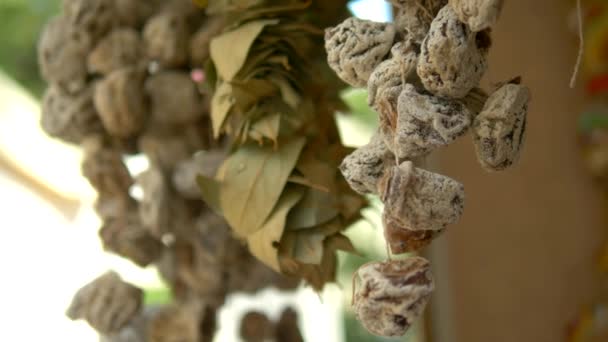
(248, 184)
(422, 73)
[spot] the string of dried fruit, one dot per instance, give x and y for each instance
(591, 324)
(122, 84)
(422, 73)
(274, 99)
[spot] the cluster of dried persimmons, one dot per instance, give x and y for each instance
(234, 100)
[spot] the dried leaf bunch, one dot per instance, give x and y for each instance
(274, 97)
(121, 84)
(422, 72)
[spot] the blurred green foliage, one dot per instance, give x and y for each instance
(22, 21)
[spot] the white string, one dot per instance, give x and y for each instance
(581, 45)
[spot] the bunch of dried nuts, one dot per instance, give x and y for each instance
(422, 73)
(121, 85)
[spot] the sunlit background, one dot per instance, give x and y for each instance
(50, 245)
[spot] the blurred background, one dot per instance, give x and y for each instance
(524, 264)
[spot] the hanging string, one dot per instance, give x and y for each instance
(581, 45)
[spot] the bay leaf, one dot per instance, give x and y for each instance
(289, 94)
(317, 207)
(267, 127)
(221, 103)
(253, 180)
(229, 50)
(264, 243)
(309, 248)
(210, 190)
(297, 179)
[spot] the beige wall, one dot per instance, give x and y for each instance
(521, 260)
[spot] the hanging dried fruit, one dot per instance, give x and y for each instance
(420, 112)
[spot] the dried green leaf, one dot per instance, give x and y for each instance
(290, 96)
(253, 179)
(221, 103)
(210, 190)
(264, 243)
(309, 248)
(266, 127)
(317, 207)
(229, 50)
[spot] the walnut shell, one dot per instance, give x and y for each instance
(420, 200)
(94, 17)
(120, 48)
(126, 237)
(121, 102)
(105, 169)
(62, 54)
(107, 303)
(356, 47)
(363, 168)
(499, 130)
(390, 296)
(427, 122)
(166, 39)
(453, 58)
(69, 117)
(477, 14)
(392, 72)
(174, 98)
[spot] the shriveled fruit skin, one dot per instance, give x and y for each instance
(62, 52)
(363, 168)
(118, 49)
(107, 303)
(356, 46)
(453, 58)
(70, 117)
(477, 14)
(499, 130)
(426, 122)
(121, 102)
(419, 199)
(389, 296)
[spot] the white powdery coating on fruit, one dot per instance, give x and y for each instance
(121, 102)
(390, 296)
(392, 72)
(421, 200)
(363, 168)
(478, 14)
(413, 18)
(499, 130)
(356, 47)
(427, 122)
(451, 62)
